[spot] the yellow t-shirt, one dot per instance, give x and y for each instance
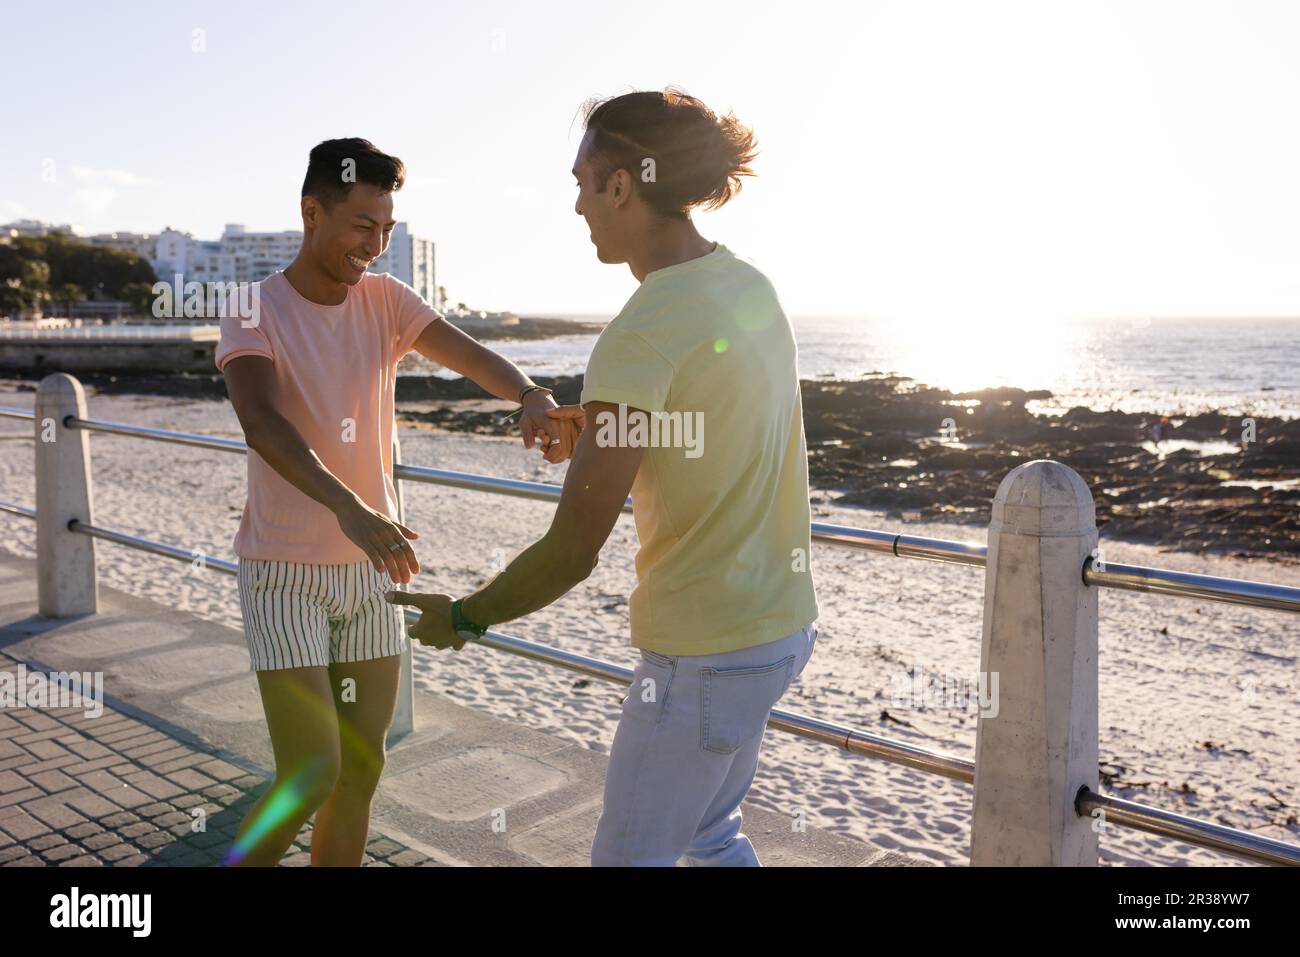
(721, 497)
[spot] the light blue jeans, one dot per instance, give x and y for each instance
(686, 751)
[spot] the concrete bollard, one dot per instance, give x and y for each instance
(65, 561)
(1040, 638)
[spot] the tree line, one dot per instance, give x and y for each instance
(37, 272)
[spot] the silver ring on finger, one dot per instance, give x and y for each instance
(396, 546)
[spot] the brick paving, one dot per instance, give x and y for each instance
(111, 790)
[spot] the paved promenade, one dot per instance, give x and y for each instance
(164, 775)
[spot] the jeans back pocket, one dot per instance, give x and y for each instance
(735, 702)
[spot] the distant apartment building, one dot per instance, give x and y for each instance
(33, 227)
(243, 256)
(142, 244)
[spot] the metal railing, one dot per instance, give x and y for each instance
(128, 334)
(1233, 841)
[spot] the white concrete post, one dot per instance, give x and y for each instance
(1040, 638)
(65, 561)
(404, 715)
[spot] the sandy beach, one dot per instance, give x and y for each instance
(1198, 700)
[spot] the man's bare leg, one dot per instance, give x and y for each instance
(365, 709)
(300, 716)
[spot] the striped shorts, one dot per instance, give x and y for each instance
(302, 616)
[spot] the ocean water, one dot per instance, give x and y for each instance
(1162, 366)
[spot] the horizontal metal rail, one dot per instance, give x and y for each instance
(1161, 581)
(1228, 840)
(1217, 837)
(14, 509)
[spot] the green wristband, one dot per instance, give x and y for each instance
(460, 623)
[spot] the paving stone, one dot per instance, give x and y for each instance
(50, 764)
(46, 841)
(218, 791)
(166, 762)
(117, 852)
(11, 782)
(382, 847)
(92, 805)
(407, 858)
(221, 770)
(85, 860)
(208, 839)
(107, 723)
(52, 781)
(187, 800)
(21, 797)
(139, 752)
(134, 733)
(116, 790)
(13, 853)
(153, 785)
(63, 853)
(85, 767)
(154, 840)
(97, 842)
(136, 829)
(53, 812)
(39, 737)
(79, 832)
(36, 721)
(120, 820)
(47, 749)
(11, 749)
(23, 827)
(90, 750)
(190, 779)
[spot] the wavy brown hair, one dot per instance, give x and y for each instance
(699, 157)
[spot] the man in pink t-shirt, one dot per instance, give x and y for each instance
(310, 357)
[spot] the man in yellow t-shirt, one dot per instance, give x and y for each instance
(691, 402)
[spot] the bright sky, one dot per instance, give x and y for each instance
(950, 162)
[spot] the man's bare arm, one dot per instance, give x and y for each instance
(250, 381)
(448, 346)
(595, 488)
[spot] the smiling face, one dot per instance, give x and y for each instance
(347, 238)
(602, 205)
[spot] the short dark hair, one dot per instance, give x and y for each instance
(325, 178)
(699, 157)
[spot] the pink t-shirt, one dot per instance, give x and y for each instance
(335, 369)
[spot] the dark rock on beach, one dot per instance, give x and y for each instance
(918, 453)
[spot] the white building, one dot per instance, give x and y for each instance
(411, 260)
(34, 227)
(142, 244)
(243, 256)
